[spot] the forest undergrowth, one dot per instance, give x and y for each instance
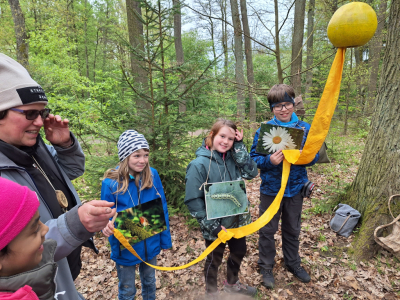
(325, 255)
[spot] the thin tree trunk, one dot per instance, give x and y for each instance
(239, 74)
(249, 59)
(224, 38)
(375, 55)
(180, 59)
(135, 30)
(277, 47)
(20, 33)
(379, 171)
(310, 46)
(297, 43)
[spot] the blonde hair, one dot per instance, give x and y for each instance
(121, 175)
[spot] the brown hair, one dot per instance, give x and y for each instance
(277, 92)
(121, 175)
(216, 128)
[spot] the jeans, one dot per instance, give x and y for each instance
(126, 276)
(290, 212)
(237, 249)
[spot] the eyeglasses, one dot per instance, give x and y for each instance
(279, 107)
(32, 114)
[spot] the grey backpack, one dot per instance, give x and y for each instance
(344, 220)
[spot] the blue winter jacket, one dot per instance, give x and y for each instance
(151, 246)
(271, 175)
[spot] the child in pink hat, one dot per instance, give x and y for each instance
(22, 248)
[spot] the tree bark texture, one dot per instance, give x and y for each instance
(297, 43)
(239, 75)
(20, 33)
(277, 47)
(310, 45)
(180, 59)
(249, 60)
(379, 171)
(375, 55)
(139, 73)
(224, 38)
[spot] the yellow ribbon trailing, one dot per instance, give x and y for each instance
(316, 136)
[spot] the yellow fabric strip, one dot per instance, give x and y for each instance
(316, 137)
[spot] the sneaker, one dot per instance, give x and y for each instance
(300, 273)
(240, 288)
(268, 278)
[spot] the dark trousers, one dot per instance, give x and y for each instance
(290, 212)
(237, 249)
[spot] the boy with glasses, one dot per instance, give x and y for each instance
(281, 101)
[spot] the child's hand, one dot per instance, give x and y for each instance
(276, 158)
(224, 229)
(238, 135)
(109, 229)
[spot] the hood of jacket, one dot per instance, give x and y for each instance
(41, 278)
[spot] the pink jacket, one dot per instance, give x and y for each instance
(24, 293)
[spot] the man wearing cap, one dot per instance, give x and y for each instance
(47, 169)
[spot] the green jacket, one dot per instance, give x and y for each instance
(238, 164)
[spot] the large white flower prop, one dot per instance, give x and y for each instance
(278, 139)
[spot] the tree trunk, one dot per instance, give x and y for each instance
(297, 43)
(249, 60)
(277, 47)
(135, 30)
(178, 45)
(239, 75)
(375, 55)
(20, 33)
(378, 175)
(310, 45)
(224, 37)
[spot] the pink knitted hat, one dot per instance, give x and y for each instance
(18, 204)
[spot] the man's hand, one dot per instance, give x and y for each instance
(95, 214)
(276, 158)
(57, 131)
(109, 229)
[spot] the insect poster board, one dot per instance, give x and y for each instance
(224, 199)
(273, 138)
(142, 221)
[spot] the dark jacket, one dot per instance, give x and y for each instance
(271, 175)
(238, 165)
(151, 246)
(41, 279)
(67, 229)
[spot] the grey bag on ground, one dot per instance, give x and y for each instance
(345, 219)
(323, 156)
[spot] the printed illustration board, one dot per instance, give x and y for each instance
(224, 199)
(273, 138)
(142, 221)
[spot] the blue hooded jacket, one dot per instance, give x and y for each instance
(271, 175)
(151, 246)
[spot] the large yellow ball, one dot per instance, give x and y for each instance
(352, 25)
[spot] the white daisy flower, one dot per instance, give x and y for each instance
(278, 139)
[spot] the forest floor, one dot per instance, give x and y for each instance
(325, 255)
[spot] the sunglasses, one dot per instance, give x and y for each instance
(32, 114)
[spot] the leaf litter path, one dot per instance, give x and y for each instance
(334, 275)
